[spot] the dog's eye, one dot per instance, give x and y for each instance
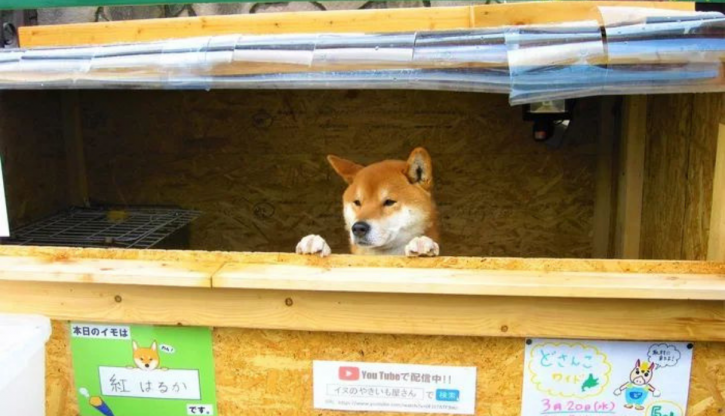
(389, 203)
(357, 202)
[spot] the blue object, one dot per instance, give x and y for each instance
(443, 395)
(636, 395)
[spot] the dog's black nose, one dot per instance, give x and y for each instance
(147, 366)
(359, 229)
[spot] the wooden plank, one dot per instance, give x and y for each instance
(74, 152)
(528, 13)
(108, 271)
(631, 177)
(716, 239)
(472, 282)
(409, 280)
(70, 254)
(370, 312)
(379, 20)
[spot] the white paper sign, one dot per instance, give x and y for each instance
(377, 387)
(593, 378)
(156, 384)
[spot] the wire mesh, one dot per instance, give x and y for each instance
(136, 227)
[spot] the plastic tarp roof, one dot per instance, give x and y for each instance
(634, 51)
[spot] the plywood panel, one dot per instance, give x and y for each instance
(263, 372)
(254, 163)
(680, 163)
(700, 174)
(665, 187)
(33, 155)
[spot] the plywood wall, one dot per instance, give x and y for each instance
(33, 154)
(261, 373)
(254, 163)
(680, 160)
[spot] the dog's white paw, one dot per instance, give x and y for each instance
(313, 244)
(422, 247)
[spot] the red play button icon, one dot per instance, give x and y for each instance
(349, 373)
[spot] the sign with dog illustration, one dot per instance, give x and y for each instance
(588, 378)
(123, 370)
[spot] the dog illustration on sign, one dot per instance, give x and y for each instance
(639, 385)
(147, 359)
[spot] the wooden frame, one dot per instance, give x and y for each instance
(382, 20)
(442, 296)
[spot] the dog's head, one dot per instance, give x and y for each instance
(146, 359)
(387, 203)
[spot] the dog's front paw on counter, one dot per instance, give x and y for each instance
(313, 244)
(422, 247)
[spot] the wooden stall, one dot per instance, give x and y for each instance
(615, 233)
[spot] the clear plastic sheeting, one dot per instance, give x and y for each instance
(630, 51)
(668, 53)
(556, 62)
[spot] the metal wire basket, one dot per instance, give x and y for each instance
(130, 227)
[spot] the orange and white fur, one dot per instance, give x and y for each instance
(388, 208)
(146, 359)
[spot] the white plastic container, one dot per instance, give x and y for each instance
(22, 364)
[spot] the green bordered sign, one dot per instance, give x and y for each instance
(143, 370)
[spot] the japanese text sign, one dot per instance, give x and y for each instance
(137, 370)
(356, 386)
(587, 378)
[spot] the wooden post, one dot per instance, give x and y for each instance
(75, 159)
(716, 239)
(631, 177)
(602, 221)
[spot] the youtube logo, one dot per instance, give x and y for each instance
(349, 373)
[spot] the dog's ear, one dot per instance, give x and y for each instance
(420, 168)
(345, 168)
(153, 346)
(135, 346)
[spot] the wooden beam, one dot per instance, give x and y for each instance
(74, 152)
(108, 271)
(370, 312)
(438, 296)
(631, 177)
(602, 219)
(71, 254)
(380, 20)
(716, 239)
(386, 280)
(472, 282)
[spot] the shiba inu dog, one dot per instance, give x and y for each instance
(146, 359)
(388, 208)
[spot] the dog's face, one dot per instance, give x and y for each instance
(387, 203)
(146, 359)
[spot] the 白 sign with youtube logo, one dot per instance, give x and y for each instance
(357, 386)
